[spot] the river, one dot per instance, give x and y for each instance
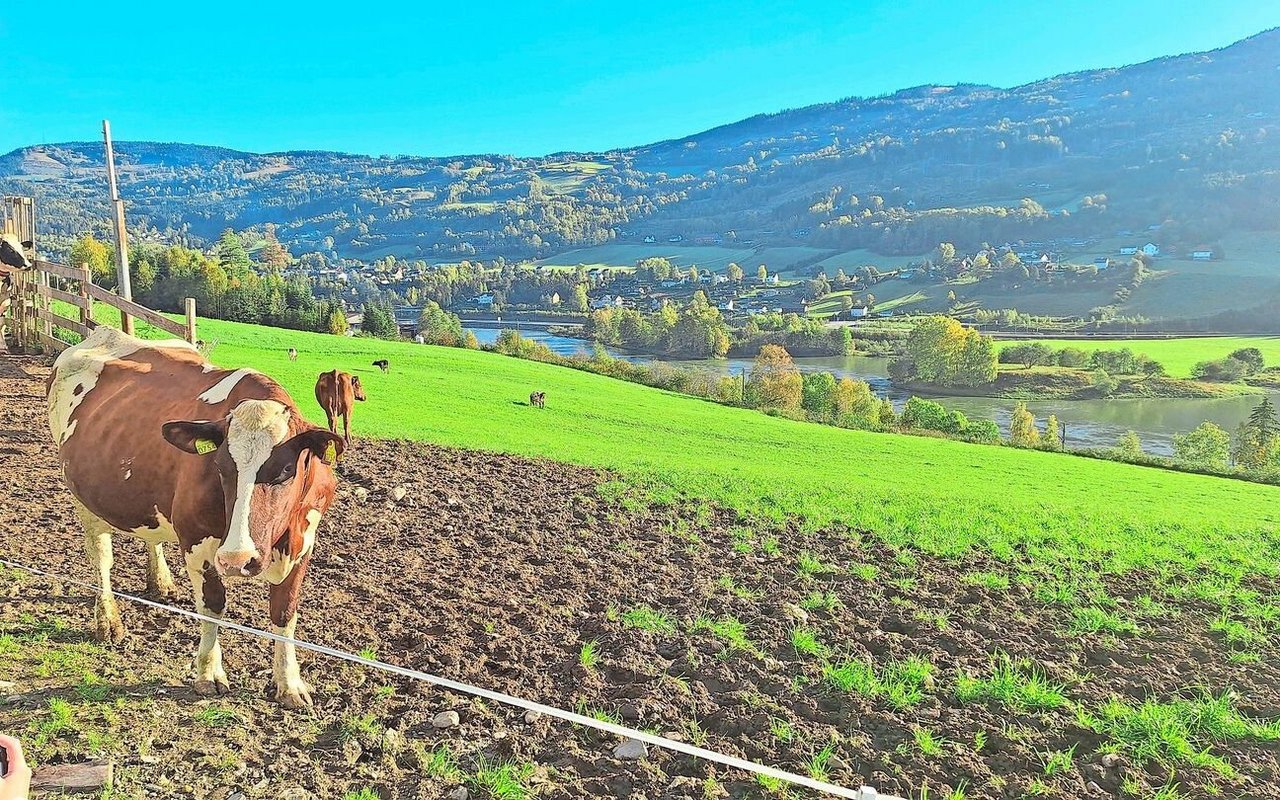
(1090, 423)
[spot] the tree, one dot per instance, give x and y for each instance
(1224, 370)
(1052, 439)
(437, 326)
(1208, 446)
(734, 273)
(818, 395)
(1257, 438)
(945, 353)
(273, 255)
(1022, 427)
(1251, 357)
(854, 404)
(1129, 447)
(88, 250)
(774, 382)
(580, 300)
(846, 303)
(762, 274)
(230, 251)
(336, 321)
(379, 321)
(1072, 357)
(946, 253)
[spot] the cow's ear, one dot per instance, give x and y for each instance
(323, 445)
(200, 438)
(28, 245)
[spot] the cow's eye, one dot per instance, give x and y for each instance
(283, 475)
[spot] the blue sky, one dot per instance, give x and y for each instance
(532, 78)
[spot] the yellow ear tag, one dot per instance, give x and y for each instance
(331, 454)
(205, 446)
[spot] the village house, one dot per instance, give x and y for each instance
(1128, 251)
(1151, 249)
(1102, 263)
(1201, 255)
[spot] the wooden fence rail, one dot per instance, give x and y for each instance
(26, 306)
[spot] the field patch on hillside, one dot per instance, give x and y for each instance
(1177, 355)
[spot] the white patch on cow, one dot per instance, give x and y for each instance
(78, 368)
(220, 391)
(159, 533)
(128, 473)
(282, 564)
(256, 427)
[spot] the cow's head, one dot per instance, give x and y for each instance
(357, 388)
(275, 486)
(14, 252)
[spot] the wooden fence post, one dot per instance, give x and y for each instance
(86, 314)
(189, 305)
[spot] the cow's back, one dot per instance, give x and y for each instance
(109, 397)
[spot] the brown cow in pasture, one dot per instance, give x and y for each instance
(157, 443)
(336, 392)
(538, 399)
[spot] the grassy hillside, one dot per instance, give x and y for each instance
(1177, 355)
(945, 497)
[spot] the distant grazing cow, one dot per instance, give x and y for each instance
(538, 399)
(382, 364)
(157, 443)
(336, 392)
(13, 253)
(293, 354)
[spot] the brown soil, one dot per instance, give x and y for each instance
(495, 570)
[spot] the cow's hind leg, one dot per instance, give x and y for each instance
(211, 600)
(107, 626)
(159, 578)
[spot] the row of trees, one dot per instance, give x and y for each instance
(697, 330)
(1115, 362)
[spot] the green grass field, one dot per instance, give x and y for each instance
(1042, 510)
(1177, 355)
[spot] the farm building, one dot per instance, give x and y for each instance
(1151, 249)
(1102, 263)
(1201, 255)
(1128, 251)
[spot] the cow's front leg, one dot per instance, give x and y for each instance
(159, 578)
(107, 626)
(211, 600)
(291, 690)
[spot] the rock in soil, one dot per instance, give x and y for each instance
(446, 719)
(631, 750)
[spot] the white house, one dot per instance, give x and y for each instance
(775, 279)
(483, 300)
(726, 306)
(1201, 255)
(649, 240)
(1128, 251)
(1151, 249)
(1102, 263)
(857, 312)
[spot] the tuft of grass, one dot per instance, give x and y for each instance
(217, 717)
(363, 794)
(902, 683)
(647, 619)
(1178, 732)
(820, 601)
(362, 727)
(866, 572)
(808, 565)
(1092, 619)
(441, 764)
(805, 642)
(781, 730)
(817, 766)
(731, 631)
(504, 780)
(368, 653)
(991, 580)
(929, 745)
(1059, 762)
(1012, 685)
(589, 655)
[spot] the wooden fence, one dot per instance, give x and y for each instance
(33, 322)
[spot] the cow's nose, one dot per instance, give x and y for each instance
(238, 564)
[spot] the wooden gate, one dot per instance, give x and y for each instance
(42, 306)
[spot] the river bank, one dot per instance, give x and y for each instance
(1096, 422)
(1061, 383)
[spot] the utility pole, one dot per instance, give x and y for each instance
(122, 245)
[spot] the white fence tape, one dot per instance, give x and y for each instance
(861, 793)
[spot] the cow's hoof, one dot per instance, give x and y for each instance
(294, 695)
(215, 686)
(162, 592)
(107, 626)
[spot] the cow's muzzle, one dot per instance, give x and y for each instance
(240, 564)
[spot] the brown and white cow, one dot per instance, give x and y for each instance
(336, 392)
(159, 444)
